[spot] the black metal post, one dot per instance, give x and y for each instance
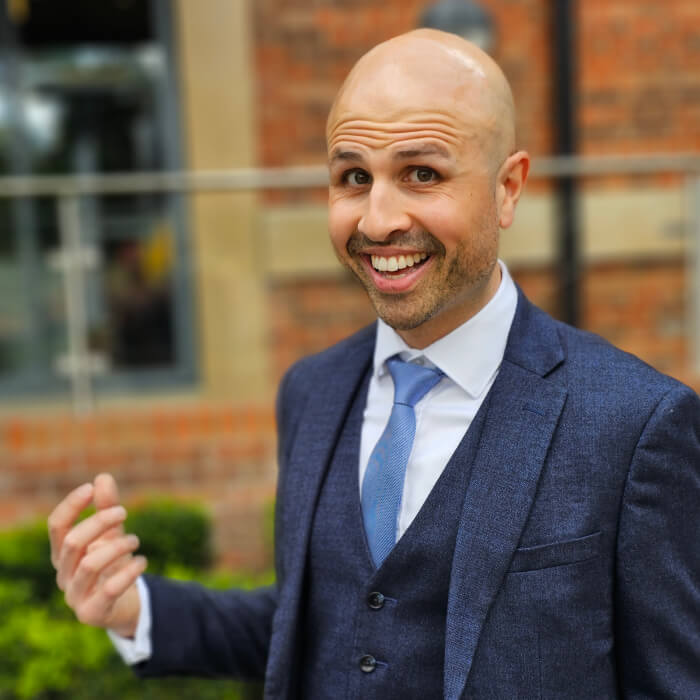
(565, 86)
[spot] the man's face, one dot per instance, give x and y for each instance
(413, 211)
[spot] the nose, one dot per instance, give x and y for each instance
(383, 213)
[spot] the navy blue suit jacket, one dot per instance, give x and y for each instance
(576, 571)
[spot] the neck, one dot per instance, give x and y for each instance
(451, 317)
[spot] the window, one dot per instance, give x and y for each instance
(88, 87)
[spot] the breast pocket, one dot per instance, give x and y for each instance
(556, 553)
(548, 633)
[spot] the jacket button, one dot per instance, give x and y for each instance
(368, 663)
(375, 600)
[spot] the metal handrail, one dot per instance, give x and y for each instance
(311, 176)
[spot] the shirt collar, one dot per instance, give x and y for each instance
(471, 354)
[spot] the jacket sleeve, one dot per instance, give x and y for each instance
(658, 556)
(201, 632)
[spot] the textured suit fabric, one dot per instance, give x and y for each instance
(576, 557)
(406, 635)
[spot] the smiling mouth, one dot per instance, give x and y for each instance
(397, 264)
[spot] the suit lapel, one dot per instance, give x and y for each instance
(320, 425)
(319, 429)
(522, 414)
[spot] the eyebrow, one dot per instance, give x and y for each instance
(430, 149)
(350, 156)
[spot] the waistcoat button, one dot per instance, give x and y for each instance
(375, 600)
(368, 663)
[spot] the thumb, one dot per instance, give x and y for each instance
(106, 493)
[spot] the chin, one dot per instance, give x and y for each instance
(407, 321)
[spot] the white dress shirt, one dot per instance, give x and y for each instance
(470, 357)
(139, 648)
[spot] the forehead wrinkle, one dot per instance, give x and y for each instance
(409, 123)
(384, 135)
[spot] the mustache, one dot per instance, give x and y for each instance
(419, 240)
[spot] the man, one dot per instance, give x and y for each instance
(526, 526)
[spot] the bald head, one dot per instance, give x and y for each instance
(431, 72)
(423, 175)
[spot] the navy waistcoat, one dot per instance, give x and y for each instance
(379, 633)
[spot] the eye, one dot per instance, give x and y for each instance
(422, 175)
(357, 177)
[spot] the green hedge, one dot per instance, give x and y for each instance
(45, 654)
(172, 534)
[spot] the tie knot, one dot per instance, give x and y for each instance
(411, 381)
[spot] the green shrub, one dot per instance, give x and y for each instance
(46, 655)
(25, 555)
(42, 650)
(172, 534)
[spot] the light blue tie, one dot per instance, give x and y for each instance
(382, 487)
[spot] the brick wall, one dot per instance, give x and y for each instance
(639, 70)
(639, 76)
(218, 454)
(309, 315)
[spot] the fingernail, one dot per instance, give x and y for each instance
(118, 511)
(84, 490)
(133, 540)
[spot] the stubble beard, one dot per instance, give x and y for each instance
(450, 283)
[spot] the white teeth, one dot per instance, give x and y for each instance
(394, 263)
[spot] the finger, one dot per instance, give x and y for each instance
(106, 495)
(80, 536)
(116, 564)
(97, 563)
(64, 516)
(97, 610)
(117, 584)
(106, 491)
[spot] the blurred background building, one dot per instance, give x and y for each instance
(146, 321)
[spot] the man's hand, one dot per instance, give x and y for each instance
(94, 562)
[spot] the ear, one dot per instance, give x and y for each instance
(509, 185)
